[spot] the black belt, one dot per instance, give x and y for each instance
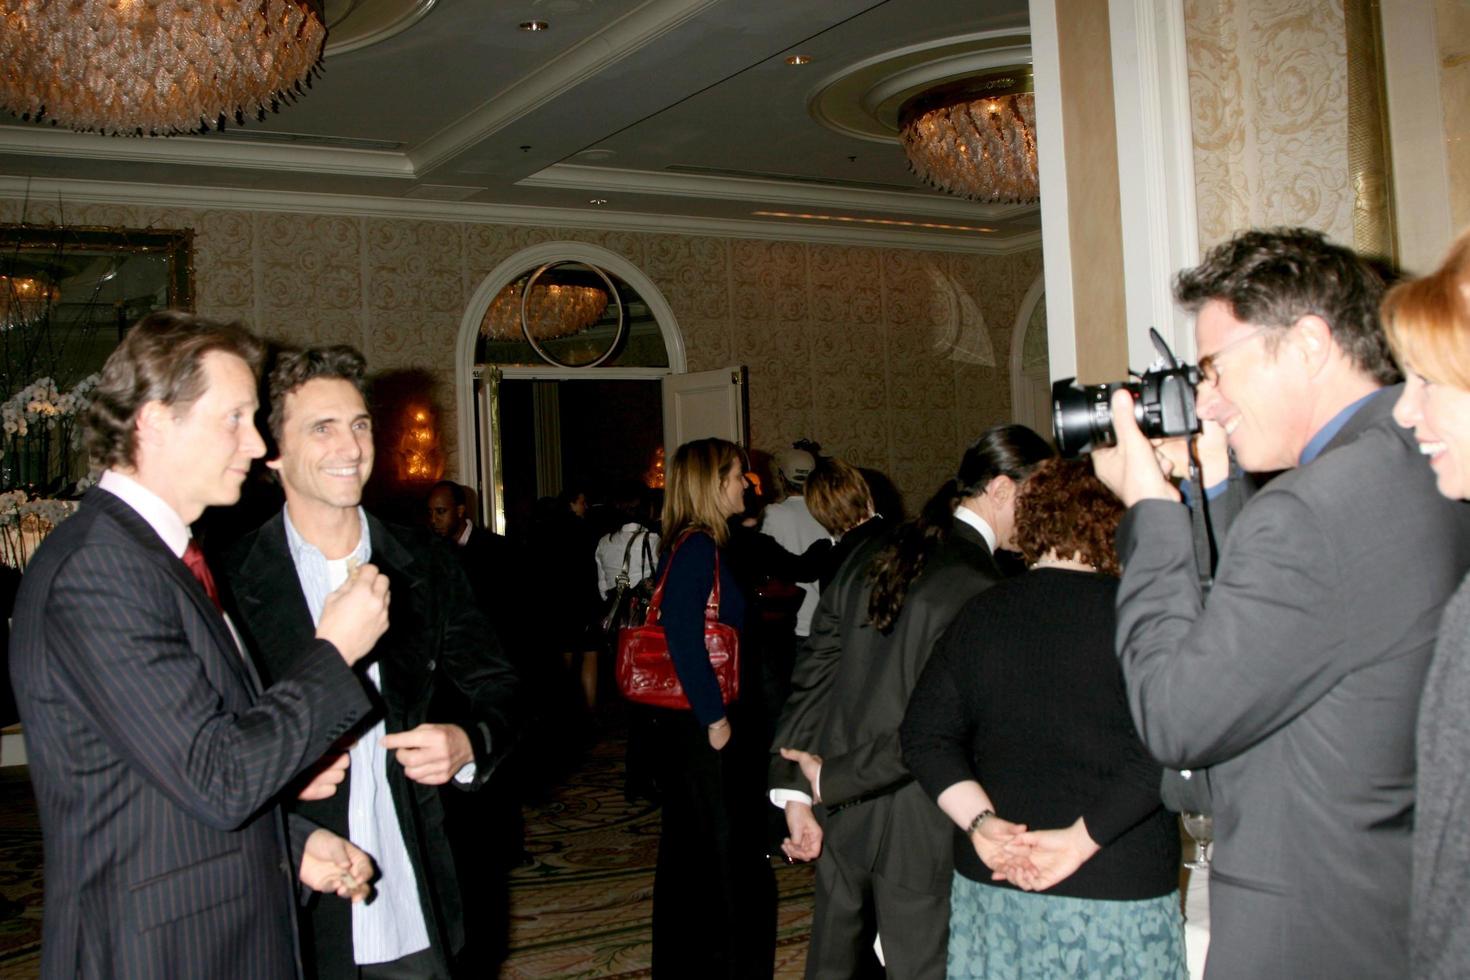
(888, 790)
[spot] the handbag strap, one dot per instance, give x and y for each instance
(624, 579)
(711, 605)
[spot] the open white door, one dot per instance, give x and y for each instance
(491, 489)
(708, 403)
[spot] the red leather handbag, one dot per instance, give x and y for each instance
(646, 672)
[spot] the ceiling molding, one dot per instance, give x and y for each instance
(608, 180)
(242, 199)
(367, 22)
(202, 151)
(578, 64)
(862, 98)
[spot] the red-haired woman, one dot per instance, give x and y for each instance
(1024, 698)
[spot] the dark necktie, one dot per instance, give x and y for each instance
(194, 558)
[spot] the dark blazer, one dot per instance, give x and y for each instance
(156, 758)
(849, 691)
(1297, 683)
(436, 635)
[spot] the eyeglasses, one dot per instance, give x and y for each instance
(1207, 364)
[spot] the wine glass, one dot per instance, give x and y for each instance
(1201, 827)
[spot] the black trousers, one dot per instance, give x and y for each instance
(853, 904)
(714, 895)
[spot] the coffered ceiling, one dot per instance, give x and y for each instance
(681, 113)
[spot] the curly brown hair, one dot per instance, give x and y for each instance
(1064, 507)
(293, 368)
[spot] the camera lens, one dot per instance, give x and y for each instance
(1081, 417)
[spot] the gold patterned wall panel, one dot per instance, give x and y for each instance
(1452, 24)
(1268, 87)
(892, 358)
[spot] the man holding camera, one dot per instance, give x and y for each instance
(1296, 681)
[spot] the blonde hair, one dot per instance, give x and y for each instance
(837, 495)
(1428, 319)
(692, 490)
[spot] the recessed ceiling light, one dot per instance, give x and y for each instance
(599, 201)
(799, 59)
(534, 25)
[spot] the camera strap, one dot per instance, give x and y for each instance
(1208, 556)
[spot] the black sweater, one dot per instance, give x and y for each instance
(1024, 694)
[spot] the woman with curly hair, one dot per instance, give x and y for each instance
(1024, 697)
(882, 851)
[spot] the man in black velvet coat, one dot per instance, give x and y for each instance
(436, 636)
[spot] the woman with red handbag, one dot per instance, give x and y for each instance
(714, 896)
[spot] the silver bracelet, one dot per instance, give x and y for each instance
(979, 819)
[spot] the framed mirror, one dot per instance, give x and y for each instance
(67, 296)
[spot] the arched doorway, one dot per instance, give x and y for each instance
(510, 378)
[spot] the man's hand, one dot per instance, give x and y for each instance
(335, 864)
(1130, 469)
(328, 777)
(356, 614)
(1050, 855)
(811, 768)
(805, 842)
(430, 754)
(1214, 454)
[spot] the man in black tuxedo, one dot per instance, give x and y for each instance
(486, 830)
(436, 636)
(884, 850)
(155, 753)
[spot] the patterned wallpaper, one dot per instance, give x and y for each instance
(1268, 88)
(892, 359)
(1452, 21)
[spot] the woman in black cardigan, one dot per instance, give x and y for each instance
(1025, 698)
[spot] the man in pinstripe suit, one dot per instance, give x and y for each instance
(156, 756)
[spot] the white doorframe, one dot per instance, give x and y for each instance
(518, 264)
(1155, 172)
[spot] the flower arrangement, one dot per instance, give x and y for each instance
(25, 521)
(40, 448)
(42, 435)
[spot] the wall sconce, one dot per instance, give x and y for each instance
(420, 459)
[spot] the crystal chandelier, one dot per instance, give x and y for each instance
(976, 138)
(552, 310)
(155, 67)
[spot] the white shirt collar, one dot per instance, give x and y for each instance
(299, 547)
(464, 536)
(164, 520)
(963, 513)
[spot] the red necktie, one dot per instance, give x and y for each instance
(194, 558)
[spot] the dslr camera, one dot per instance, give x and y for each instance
(1163, 405)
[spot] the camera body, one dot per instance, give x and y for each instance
(1163, 405)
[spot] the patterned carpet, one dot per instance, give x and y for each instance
(581, 910)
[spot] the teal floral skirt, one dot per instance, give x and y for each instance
(1004, 934)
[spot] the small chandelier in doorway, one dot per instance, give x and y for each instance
(552, 310)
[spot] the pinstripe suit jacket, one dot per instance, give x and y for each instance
(156, 760)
